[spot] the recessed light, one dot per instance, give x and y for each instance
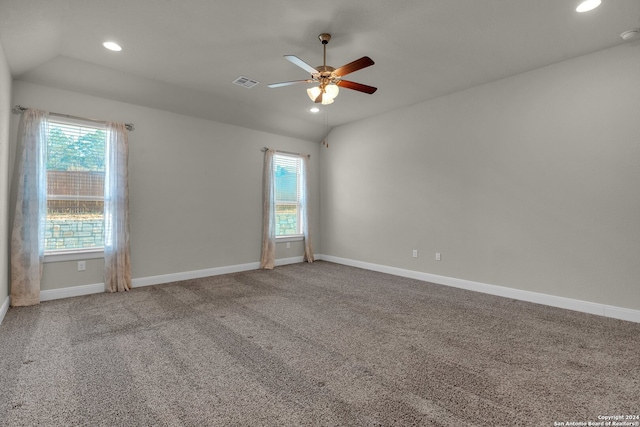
(631, 34)
(314, 109)
(112, 46)
(588, 5)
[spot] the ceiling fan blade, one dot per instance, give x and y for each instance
(293, 82)
(300, 63)
(356, 65)
(357, 86)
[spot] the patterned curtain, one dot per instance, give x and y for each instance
(268, 257)
(117, 263)
(29, 186)
(304, 212)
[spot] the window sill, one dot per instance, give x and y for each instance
(60, 256)
(293, 238)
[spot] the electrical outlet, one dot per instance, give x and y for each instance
(82, 265)
(288, 245)
(415, 253)
(437, 256)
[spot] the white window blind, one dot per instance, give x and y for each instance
(75, 185)
(288, 194)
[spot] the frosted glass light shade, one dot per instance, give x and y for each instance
(326, 100)
(331, 91)
(313, 92)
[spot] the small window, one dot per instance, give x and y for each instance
(75, 186)
(288, 195)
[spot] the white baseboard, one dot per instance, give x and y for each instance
(622, 313)
(535, 297)
(4, 308)
(197, 274)
(72, 291)
(287, 261)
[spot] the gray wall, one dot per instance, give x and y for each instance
(530, 182)
(195, 188)
(5, 115)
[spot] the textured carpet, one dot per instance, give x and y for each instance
(312, 344)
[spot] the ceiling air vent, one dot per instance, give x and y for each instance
(245, 82)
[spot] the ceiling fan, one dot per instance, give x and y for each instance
(328, 78)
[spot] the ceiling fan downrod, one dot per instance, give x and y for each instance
(324, 38)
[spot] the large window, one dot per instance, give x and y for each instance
(75, 186)
(288, 195)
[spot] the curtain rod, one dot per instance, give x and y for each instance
(18, 109)
(286, 152)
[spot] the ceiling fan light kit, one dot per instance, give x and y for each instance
(326, 96)
(328, 79)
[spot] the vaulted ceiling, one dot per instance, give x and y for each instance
(183, 55)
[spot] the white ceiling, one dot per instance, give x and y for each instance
(182, 55)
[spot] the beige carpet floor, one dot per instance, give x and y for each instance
(312, 344)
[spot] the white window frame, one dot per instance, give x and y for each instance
(299, 236)
(73, 255)
(61, 255)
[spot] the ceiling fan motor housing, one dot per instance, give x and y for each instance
(325, 70)
(324, 38)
